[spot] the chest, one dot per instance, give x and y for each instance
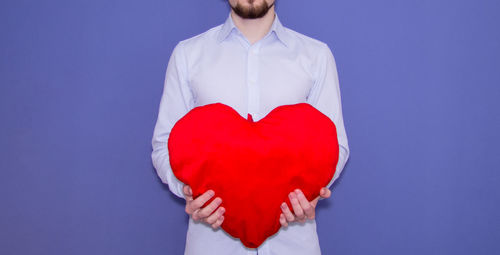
(250, 82)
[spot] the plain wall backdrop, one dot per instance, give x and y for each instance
(80, 86)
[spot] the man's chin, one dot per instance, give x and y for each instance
(251, 11)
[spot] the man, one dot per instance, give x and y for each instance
(253, 64)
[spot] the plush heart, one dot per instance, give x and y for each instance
(251, 165)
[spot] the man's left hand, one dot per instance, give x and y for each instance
(302, 208)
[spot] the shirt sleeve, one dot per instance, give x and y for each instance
(325, 96)
(176, 101)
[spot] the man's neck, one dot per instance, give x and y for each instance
(254, 29)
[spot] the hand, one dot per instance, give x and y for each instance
(302, 208)
(195, 210)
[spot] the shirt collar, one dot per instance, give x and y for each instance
(277, 27)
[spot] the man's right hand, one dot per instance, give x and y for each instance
(204, 214)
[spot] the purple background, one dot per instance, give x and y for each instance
(80, 88)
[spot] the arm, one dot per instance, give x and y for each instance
(325, 96)
(177, 99)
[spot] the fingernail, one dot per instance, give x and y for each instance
(290, 195)
(283, 205)
(211, 192)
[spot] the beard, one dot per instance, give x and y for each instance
(252, 11)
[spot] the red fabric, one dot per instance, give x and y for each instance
(251, 165)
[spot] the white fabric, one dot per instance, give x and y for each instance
(220, 65)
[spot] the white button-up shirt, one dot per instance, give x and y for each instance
(221, 65)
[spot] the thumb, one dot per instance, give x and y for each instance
(325, 192)
(314, 202)
(187, 190)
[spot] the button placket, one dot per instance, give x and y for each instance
(252, 74)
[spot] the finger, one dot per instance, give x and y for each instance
(187, 193)
(207, 210)
(286, 211)
(201, 200)
(304, 203)
(215, 216)
(325, 192)
(195, 216)
(283, 220)
(218, 222)
(315, 201)
(297, 209)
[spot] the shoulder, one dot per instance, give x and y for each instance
(314, 52)
(308, 43)
(202, 39)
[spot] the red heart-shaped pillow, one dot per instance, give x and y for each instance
(251, 165)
